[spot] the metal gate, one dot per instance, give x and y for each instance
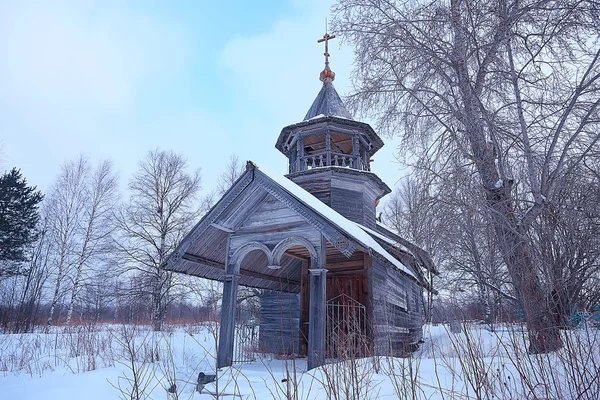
(346, 327)
(246, 342)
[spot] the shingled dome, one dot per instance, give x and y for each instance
(329, 104)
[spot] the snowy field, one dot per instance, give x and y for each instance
(112, 362)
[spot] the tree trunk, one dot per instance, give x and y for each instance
(544, 333)
(59, 278)
(74, 294)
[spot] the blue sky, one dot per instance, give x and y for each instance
(115, 79)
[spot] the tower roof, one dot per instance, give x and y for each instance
(328, 104)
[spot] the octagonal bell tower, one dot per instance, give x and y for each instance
(329, 154)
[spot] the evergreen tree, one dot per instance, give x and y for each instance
(18, 220)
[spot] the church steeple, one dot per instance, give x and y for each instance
(328, 102)
(330, 153)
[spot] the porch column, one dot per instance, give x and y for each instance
(227, 331)
(317, 318)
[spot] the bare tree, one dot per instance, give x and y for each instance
(161, 207)
(66, 203)
(35, 276)
(567, 237)
(510, 87)
(227, 178)
(452, 226)
(96, 225)
(233, 170)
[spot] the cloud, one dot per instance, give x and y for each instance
(72, 76)
(112, 81)
(64, 53)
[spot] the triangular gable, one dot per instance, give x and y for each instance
(344, 242)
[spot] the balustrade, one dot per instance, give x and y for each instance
(336, 160)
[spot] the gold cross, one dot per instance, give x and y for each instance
(326, 38)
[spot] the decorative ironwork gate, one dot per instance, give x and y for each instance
(246, 342)
(346, 327)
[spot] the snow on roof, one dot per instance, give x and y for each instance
(383, 237)
(352, 228)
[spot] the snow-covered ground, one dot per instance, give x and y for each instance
(110, 362)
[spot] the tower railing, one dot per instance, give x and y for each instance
(320, 160)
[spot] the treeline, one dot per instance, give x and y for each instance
(82, 252)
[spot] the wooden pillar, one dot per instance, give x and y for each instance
(317, 319)
(300, 153)
(228, 307)
(355, 152)
(328, 147)
(227, 330)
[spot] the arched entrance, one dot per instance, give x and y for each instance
(234, 272)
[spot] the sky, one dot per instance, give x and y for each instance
(116, 79)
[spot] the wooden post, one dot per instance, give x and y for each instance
(317, 319)
(300, 153)
(227, 331)
(328, 146)
(355, 152)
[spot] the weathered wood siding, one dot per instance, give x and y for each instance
(351, 193)
(279, 322)
(354, 199)
(272, 222)
(397, 309)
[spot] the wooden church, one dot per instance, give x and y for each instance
(333, 277)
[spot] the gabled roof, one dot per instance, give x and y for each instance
(396, 240)
(328, 104)
(344, 234)
(405, 251)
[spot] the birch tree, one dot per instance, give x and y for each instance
(65, 205)
(99, 194)
(509, 87)
(161, 208)
(37, 272)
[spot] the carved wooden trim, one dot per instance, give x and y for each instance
(286, 243)
(241, 252)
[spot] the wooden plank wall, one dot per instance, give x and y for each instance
(318, 183)
(353, 195)
(279, 322)
(397, 306)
